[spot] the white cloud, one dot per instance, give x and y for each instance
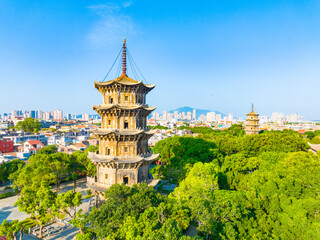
(113, 25)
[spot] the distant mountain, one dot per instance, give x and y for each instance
(198, 111)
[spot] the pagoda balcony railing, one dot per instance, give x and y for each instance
(128, 129)
(97, 155)
(125, 104)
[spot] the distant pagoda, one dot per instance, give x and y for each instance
(252, 123)
(123, 155)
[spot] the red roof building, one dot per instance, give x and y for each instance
(32, 146)
(6, 145)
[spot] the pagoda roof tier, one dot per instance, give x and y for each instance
(97, 158)
(125, 81)
(104, 107)
(253, 114)
(128, 132)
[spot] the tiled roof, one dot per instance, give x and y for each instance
(35, 142)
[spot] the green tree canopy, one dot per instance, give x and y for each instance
(29, 125)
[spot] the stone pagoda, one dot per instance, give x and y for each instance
(123, 155)
(252, 123)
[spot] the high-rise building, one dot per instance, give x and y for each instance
(194, 114)
(123, 155)
(175, 114)
(252, 123)
(69, 116)
(165, 116)
(189, 116)
(291, 118)
(40, 114)
(46, 116)
(211, 117)
(230, 117)
(85, 117)
(33, 114)
(156, 116)
(58, 114)
(202, 118)
(277, 117)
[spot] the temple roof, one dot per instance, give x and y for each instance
(127, 132)
(252, 113)
(123, 80)
(126, 107)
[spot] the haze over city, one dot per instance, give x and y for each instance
(216, 55)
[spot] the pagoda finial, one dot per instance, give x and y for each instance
(124, 58)
(252, 107)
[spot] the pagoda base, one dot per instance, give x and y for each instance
(99, 189)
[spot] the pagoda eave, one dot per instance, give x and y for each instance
(123, 83)
(104, 159)
(122, 133)
(112, 106)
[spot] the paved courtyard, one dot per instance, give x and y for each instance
(10, 212)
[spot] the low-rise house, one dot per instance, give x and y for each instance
(27, 137)
(75, 147)
(32, 146)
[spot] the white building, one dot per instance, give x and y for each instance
(211, 117)
(194, 114)
(189, 116)
(85, 117)
(277, 117)
(294, 118)
(23, 138)
(58, 114)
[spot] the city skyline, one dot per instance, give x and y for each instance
(193, 114)
(219, 57)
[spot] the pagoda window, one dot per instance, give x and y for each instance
(125, 149)
(110, 100)
(109, 122)
(126, 98)
(106, 176)
(126, 125)
(108, 151)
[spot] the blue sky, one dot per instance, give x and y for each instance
(218, 55)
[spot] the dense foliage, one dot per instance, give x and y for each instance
(158, 127)
(229, 186)
(313, 136)
(7, 168)
(138, 213)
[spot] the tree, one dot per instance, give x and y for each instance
(7, 168)
(66, 203)
(29, 125)
(74, 177)
(48, 149)
(180, 153)
(11, 229)
(38, 203)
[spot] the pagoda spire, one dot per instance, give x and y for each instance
(252, 107)
(124, 58)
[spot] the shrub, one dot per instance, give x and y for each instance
(5, 195)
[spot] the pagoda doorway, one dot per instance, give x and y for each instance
(126, 180)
